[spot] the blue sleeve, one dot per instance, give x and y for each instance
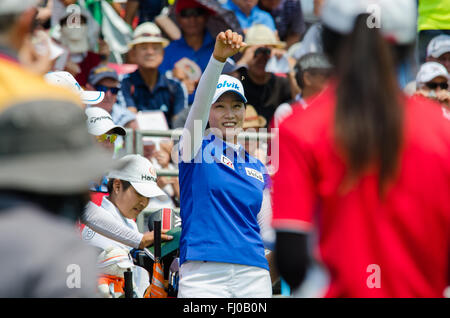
(168, 61)
(180, 100)
(268, 20)
(126, 92)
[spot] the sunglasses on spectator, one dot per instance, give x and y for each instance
(192, 12)
(111, 137)
(263, 51)
(102, 88)
(432, 85)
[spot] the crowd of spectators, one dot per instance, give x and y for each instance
(165, 45)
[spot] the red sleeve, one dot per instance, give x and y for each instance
(294, 195)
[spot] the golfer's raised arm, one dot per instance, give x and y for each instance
(227, 44)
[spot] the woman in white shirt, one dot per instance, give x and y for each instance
(130, 189)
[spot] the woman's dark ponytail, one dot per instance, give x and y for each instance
(369, 117)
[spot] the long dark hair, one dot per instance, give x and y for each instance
(369, 117)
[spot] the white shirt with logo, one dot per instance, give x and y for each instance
(140, 275)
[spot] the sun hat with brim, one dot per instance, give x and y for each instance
(14, 6)
(397, 18)
(229, 83)
(439, 45)
(429, 71)
(140, 172)
(66, 79)
(148, 32)
(260, 34)
(45, 148)
(252, 119)
(99, 122)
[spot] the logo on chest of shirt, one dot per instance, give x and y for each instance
(255, 174)
(226, 161)
(88, 234)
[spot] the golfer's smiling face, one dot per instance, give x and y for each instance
(227, 115)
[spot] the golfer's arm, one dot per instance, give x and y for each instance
(106, 226)
(264, 219)
(191, 140)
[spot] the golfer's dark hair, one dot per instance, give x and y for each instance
(368, 118)
(109, 185)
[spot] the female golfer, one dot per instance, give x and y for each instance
(366, 167)
(221, 250)
(130, 188)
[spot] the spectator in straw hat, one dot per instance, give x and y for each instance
(147, 88)
(265, 90)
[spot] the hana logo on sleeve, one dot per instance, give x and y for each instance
(226, 161)
(255, 174)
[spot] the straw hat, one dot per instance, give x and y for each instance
(259, 34)
(252, 119)
(148, 32)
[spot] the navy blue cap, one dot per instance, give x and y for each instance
(101, 72)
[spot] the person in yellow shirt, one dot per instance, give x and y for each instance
(433, 20)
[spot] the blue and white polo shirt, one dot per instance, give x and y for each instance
(221, 195)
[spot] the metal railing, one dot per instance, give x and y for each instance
(134, 142)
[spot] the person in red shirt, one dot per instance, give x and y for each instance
(366, 167)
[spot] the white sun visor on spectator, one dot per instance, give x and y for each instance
(140, 173)
(66, 79)
(430, 70)
(229, 83)
(99, 122)
(397, 18)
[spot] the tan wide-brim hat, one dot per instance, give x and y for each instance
(148, 32)
(260, 34)
(252, 119)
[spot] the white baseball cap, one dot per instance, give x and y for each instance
(140, 172)
(99, 122)
(229, 83)
(398, 17)
(430, 70)
(148, 32)
(66, 79)
(439, 45)
(14, 6)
